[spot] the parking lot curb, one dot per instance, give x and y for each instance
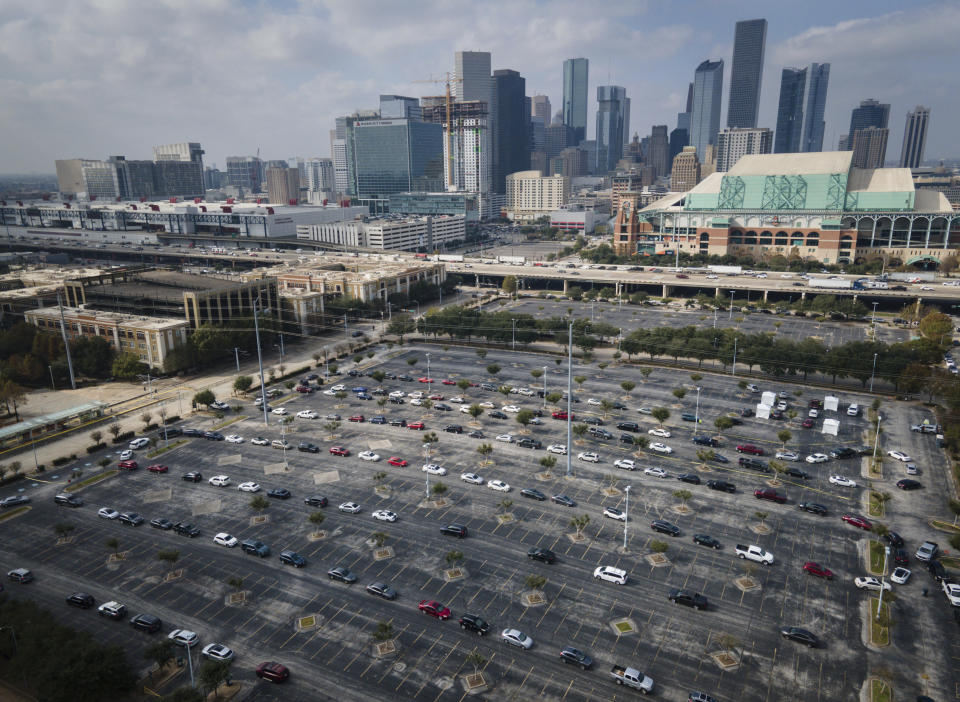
(746, 583)
(13, 514)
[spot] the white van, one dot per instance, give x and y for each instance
(139, 443)
(752, 388)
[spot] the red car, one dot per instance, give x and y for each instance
(856, 521)
(559, 415)
(769, 494)
(807, 424)
(304, 388)
(420, 426)
(434, 609)
(397, 461)
(128, 465)
(818, 570)
(157, 468)
(339, 451)
(449, 382)
(751, 449)
(436, 396)
(274, 672)
(356, 418)
(425, 379)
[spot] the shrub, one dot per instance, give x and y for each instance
(96, 447)
(174, 418)
(61, 461)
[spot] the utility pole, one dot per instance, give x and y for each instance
(626, 516)
(263, 390)
(569, 395)
(66, 343)
(236, 356)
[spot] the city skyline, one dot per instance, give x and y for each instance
(226, 75)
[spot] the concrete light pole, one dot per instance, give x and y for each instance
(569, 395)
(626, 516)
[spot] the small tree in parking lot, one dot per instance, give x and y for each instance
(504, 390)
(475, 410)
(554, 397)
(259, 503)
(535, 582)
(383, 632)
(641, 442)
(212, 674)
(537, 373)
(113, 544)
(628, 386)
(170, 556)
(723, 422)
(236, 583)
(485, 449)
(96, 436)
(779, 468)
(683, 496)
(453, 558)
(378, 538)
(579, 380)
(580, 523)
(203, 398)
(63, 530)
(784, 435)
(316, 518)
(463, 384)
(481, 353)
(438, 488)
(505, 505)
(114, 430)
(762, 517)
(579, 430)
(476, 659)
(379, 476)
(661, 414)
(524, 417)
(645, 372)
(548, 462)
(411, 362)
(658, 546)
(160, 652)
(606, 406)
(493, 369)
(679, 393)
(429, 438)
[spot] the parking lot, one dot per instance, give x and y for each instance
(630, 317)
(670, 644)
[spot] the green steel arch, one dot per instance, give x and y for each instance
(918, 259)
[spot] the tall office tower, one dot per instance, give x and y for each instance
(658, 152)
(811, 133)
(749, 40)
(511, 151)
(557, 117)
(244, 172)
(541, 108)
(734, 142)
(686, 170)
(683, 118)
(611, 108)
(171, 177)
(869, 147)
(319, 176)
(678, 139)
(472, 74)
(283, 185)
(914, 137)
(394, 156)
(184, 151)
(575, 80)
(870, 113)
(803, 99)
(705, 115)
(469, 168)
(538, 134)
(843, 142)
(400, 107)
(557, 137)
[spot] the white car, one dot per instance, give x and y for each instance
(434, 469)
(331, 392)
(594, 402)
(611, 574)
(417, 395)
(515, 637)
(813, 413)
(614, 513)
(338, 387)
(589, 457)
(926, 288)
(385, 515)
(465, 409)
(536, 420)
(659, 431)
(281, 444)
(512, 409)
(458, 400)
(713, 276)
(842, 481)
(349, 507)
(853, 410)
(248, 486)
(184, 637)
(644, 410)
(817, 458)
(788, 456)
(107, 513)
(498, 485)
(397, 393)
(655, 472)
(368, 456)
(900, 456)
(952, 591)
(225, 539)
(487, 405)
(557, 448)
(416, 402)
(782, 406)
(139, 443)
(471, 478)
(900, 576)
(218, 652)
(660, 448)
(219, 480)
(234, 439)
(505, 438)
(126, 455)
(282, 411)
(625, 463)
(306, 414)
(869, 583)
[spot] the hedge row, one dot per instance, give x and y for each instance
(96, 447)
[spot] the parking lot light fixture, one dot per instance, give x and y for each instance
(696, 416)
(626, 515)
(263, 390)
(428, 369)
(883, 575)
(872, 371)
(544, 387)
(569, 396)
(876, 439)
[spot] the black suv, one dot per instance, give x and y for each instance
(628, 426)
(398, 422)
(488, 386)
(192, 477)
(691, 478)
(453, 429)
(527, 442)
(690, 599)
(705, 441)
(186, 529)
(292, 558)
(315, 501)
(599, 433)
(576, 657)
(147, 623)
(595, 421)
(457, 530)
(843, 452)
(753, 464)
(533, 494)
(68, 500)
(497, 414)
(665, 527)
(544, 555)
(81, 600)
(812, 508)
(307, 447)
(169, 433)
(474, 622)
(257, 548)
(721, 485)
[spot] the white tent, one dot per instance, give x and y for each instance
(769, 398)
(831, 403)
(831, 427)
(763, 411)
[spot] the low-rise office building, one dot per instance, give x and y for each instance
(391, 232)
(531, 195)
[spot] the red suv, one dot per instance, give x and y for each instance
(420, 426)
(856, 521)
(355, 418)
(818, 570)
(559, 415)
(274, 672)
(128, 465)
(750, 448)
(339, 451)
(157, 468)
(434, 609)
(769, 494)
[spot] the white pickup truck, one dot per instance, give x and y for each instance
(631, 677)
(754, 553)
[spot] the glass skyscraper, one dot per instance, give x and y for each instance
(870, 113)
(750, 38)
(575, 82)
(613, 124)
(511, 143)
(705, 116)
(818, 78)
(803, 99)
(914, 137)
(395, 156)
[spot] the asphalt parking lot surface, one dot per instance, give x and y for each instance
(632, 317)
(670, 644)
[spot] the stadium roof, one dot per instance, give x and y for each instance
(792, 164)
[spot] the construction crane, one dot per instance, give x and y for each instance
(447, 80)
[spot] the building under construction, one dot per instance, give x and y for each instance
(466, 146)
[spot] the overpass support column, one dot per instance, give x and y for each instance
(765, 294)
(565, 284)
(666, 291)
(803, 296)
(855, 297)
(716, 292)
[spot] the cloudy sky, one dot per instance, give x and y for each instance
(93, 78)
